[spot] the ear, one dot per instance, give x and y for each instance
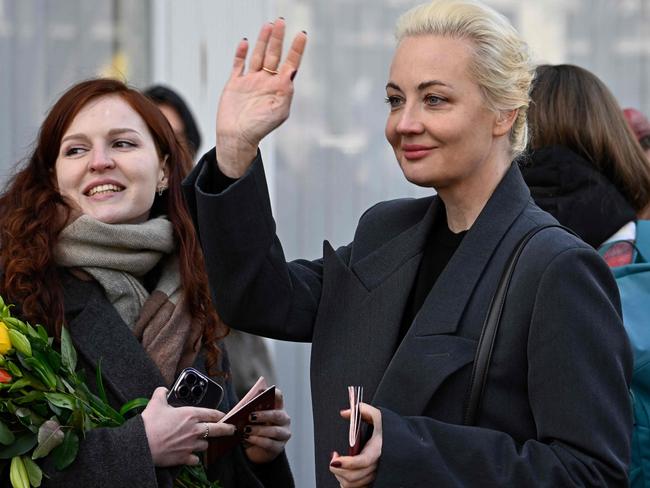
(504, 121)
(163, 175)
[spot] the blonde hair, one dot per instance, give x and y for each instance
(501, 63)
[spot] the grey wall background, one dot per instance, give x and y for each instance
(329, 161)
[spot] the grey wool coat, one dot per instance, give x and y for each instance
(120, 457)
(556, 410)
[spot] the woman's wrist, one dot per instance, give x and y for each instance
(234, 155)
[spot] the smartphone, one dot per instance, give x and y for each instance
(195, 389)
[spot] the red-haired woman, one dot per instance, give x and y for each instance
(95, 235)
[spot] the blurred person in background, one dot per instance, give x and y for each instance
(249, 355)
(585, 167)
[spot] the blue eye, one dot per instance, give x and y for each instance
(433, 100)
(394, 101)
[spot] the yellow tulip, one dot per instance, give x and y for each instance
(5, 341)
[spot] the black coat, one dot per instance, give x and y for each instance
(556, 411)
(120, 457)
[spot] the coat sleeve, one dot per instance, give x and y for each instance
(253, 287)
(111, 457)
(579, 368)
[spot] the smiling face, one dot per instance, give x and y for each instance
(441, 130)
(108, 165)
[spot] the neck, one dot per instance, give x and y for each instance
(465, 201)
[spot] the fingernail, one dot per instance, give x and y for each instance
(247, 429)
(335, 464)
(253, 417)
(281, 18)
(245, 38)
(293, 74)
(246, 436)
(304, 32)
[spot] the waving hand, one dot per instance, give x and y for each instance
(256, 101)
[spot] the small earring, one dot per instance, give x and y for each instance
(161, 189)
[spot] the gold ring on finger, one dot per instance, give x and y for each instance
(271, 71)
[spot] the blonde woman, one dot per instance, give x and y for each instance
(400, 309)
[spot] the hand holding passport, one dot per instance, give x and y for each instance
(259, 397)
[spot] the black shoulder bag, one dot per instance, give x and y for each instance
(491, 327)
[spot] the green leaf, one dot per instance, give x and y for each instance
(29, 418)
(61, 400)
(21, 383)
(42, 332)
(100, 382)
(68, 353)
(66, 452)
(133, 404)
(33, 472)
(23, 444)
(50, 436)
(14, 369)
(6, 436)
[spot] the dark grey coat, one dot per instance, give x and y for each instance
(556, 411)
(120, 457)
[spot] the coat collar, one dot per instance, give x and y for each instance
(443, 307)
(99, 333)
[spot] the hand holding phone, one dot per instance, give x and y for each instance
(195, 389)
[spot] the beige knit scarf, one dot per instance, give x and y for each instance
(118, 256)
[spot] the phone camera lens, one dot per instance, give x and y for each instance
(190, 378)
(197, 392)
(183, 391)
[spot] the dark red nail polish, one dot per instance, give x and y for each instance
(245, 38)
(253, 417)
(335, 464)
(281, 18)
(293, 74)
(247, 429)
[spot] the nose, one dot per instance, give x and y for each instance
(100, 160)
(409, 122)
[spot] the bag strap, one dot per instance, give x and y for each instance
(491, 327)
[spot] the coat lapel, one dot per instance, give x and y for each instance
(431, 351)
(99, 334)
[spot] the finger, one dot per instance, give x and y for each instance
(240, 58)
(274, 46)
(200, 446)
(294, 56)
(279, 399)
(278, 433)
(265, 443)
(273, 417)
(257, 57)
(192, 460)
(206, 414)
(354, 479)
(367, 457)
(371, 415)
(221, 429)
(159, 395)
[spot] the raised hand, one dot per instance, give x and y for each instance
(360, 471)
(176, 433)
(256, 101)
(268, 432)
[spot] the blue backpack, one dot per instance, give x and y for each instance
(634, 286)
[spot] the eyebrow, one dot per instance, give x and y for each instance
(422, 86)
(112, 133)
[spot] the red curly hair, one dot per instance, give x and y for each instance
(33, 213)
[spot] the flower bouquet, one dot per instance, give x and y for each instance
(46, 406)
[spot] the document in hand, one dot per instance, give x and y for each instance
(354, 438)
(259, 397)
